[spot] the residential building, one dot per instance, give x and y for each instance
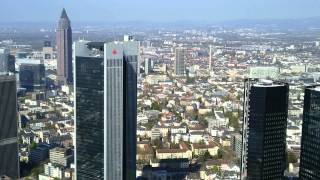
(60, 156)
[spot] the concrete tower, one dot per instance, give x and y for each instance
(64, 50)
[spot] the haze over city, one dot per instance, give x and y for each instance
(157, 11)
(159, 90)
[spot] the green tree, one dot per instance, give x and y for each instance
(233, 120)
(205, 156)
(156, 106)
(292, 158)
(33, 145)
(216, 169)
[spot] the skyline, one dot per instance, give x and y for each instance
(143, 10)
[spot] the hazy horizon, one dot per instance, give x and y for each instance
(157, 11)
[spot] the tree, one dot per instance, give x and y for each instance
(216, 170)
(36, 171)
(220, 154)
(205, 156)
(292, 158)
(33, 145)
(157, 143)
(156, 106)
(233, 120)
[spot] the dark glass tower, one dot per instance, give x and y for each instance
(264, 130)
(32, 76)
(9, 160)
(310, 142)
(106, 103)
(64, 50)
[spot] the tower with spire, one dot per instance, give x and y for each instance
(64, 50)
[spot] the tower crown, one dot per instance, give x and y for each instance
(64, 14)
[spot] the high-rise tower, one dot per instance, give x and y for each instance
(264, 130)
(9, 160)
(181, 56)
(210, 58)
(105, 109)
(310, 141)
(64, 50)
(4, 60)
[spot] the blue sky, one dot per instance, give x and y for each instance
(156, 10)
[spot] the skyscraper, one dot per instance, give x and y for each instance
(310, 142)
(106, 103)
(210, 58)
(264, 130)
(32, 76)
(147, 66)
(4, 60)
(181, 56)
(9, 161)
(64, 50)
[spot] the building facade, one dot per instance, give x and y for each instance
(106, 103)
(264, 130)
(32, 76)
(4, 60)
(310, 142)
(181, 57)
(264, 72)
(9, 160)
(60, 156)
(64, 50)
(147, 66)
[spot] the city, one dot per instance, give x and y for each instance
(226, 100)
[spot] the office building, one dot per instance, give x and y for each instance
(310, 142)
(9, 161)
(148, 66)
(47, 51)
(64, 50)
(264, 129)
(210, 58)
(264, 72)
(39, 154)
(4, 60)
(32, 76)
(236, 144)
(181, 57)
(52, 171)
(105, 110)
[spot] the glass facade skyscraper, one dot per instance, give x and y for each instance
(9, 160)
(32, 76)
(310, 142)
(106, 103)
(264, 130)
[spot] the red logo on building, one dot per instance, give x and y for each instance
(114, 52)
